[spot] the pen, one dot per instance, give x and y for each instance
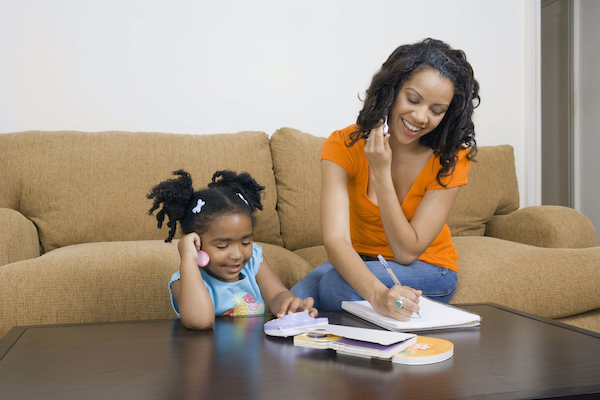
(391, 274)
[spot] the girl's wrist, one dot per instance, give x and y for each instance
(189, 261)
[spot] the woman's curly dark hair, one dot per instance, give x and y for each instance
(231, 194)
(456, 130)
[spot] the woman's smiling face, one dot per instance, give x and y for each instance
(420, 106)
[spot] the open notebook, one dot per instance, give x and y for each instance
(434, 315)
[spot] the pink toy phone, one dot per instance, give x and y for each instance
(203, 258)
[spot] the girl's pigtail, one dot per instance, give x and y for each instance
(242, 185)
(174, 194)
(251, 190)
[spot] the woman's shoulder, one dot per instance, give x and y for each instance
(342, 135)
(463, 161)
(459, 174)
(463, 153)
(462, 157)
(337, 148)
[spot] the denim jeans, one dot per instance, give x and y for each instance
(329, 289)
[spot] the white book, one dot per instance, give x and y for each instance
(434, 315)
(362, 342)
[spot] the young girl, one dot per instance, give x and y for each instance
(219, 220)
(389, 182)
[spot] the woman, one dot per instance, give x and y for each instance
(391, 194)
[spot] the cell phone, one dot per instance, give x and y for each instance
(386, 128)
(203, 259)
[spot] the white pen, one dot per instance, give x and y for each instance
(392, 275)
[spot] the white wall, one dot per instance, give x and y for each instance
(187, 66)
(587, 109)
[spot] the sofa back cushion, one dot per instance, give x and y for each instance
(492, 190)
(296, 163)
(80, 187)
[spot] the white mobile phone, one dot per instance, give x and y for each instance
(386, 128)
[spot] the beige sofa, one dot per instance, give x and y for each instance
(77, 244)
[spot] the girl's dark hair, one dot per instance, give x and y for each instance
(195, 211)
(456, 130)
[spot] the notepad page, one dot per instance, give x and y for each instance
(434, 315)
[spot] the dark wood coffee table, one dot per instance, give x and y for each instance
(511, 356)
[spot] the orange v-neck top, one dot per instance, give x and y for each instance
(366, 229)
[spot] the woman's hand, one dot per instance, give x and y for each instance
(291, 305)
(385, 302)
(378, 151)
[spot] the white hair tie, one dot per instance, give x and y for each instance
(198, 207)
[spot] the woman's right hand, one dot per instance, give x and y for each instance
(384, 302)
(378, 151)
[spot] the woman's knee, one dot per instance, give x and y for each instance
(445, 288)
(309, 285)
(334, 289)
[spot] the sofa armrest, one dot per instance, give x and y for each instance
(19, 238)
(544, 226)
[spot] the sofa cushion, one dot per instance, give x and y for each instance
(315, 255)
(90, 282)
(589, 320)
(79, 187)
(296, 163)
(492, 190)
(289, 267)
(538, 280)
(18, 237)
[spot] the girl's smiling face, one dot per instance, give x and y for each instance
(420, 106)
(228, 242)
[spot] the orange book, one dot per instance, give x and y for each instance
(427, 350)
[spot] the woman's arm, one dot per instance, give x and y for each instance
(280, 300)
(335, 221)
(407, 239)
(196, 308)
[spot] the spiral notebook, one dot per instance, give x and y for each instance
(434, 315)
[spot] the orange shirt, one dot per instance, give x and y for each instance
(366, 229)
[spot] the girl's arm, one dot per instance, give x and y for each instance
(407, 239)
(196, 308)
(335, 219)
(279, 299)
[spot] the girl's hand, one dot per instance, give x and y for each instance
(385, 302)
(291, 305)
(189, 246)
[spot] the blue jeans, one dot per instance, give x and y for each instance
(329, 289)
